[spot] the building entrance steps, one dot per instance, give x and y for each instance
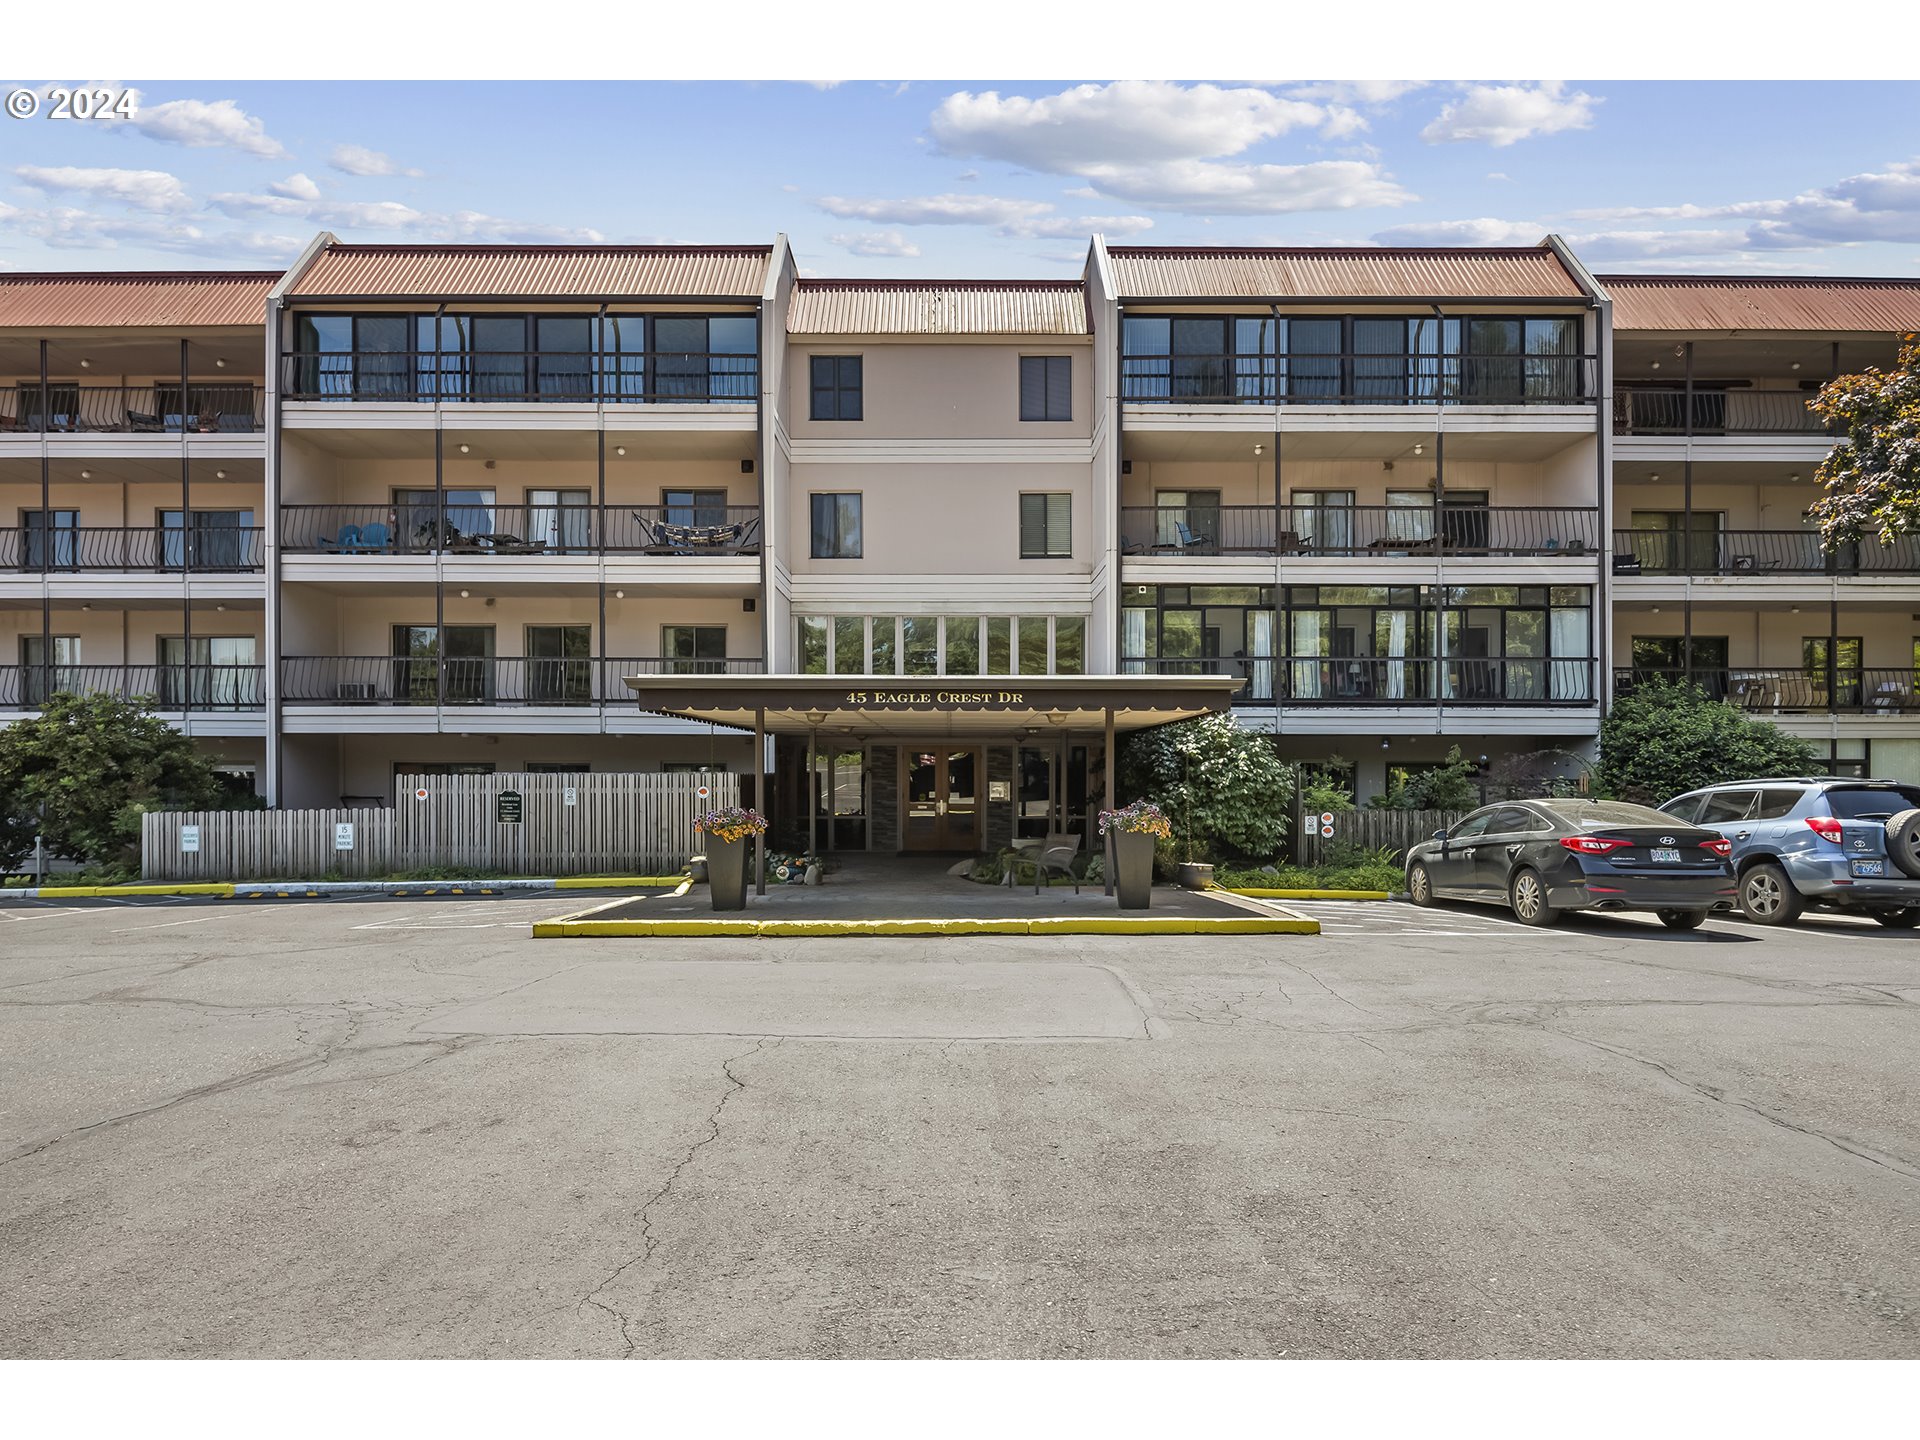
(880, 894)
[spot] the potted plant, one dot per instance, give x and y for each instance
(1135, 827)
(207, 421)
(728, 831)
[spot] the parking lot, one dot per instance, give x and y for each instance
(384, 1127)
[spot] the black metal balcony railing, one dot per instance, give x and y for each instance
(213, 409)
(1715, 412)
(170, 687)
(1383, 531)
(217, 549)
(1758, 552)
(495, 680)
(520, 377)
(468, 529)
(1357, 379)
(1396, 680)
(1795, 690)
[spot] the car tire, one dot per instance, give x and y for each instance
(1903, 842)
(1767, 896)
(1527, 898)
(1419, 884)
(1682, 919)
(1899, 919)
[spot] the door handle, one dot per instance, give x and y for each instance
(1744, 835)
(939, 807)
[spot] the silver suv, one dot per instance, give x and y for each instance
(1848, 845)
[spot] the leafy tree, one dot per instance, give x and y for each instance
(1661, 739)
(85, 769)
(1226, 789)
(1446, 786)
(1326, 788)
(1872, 483)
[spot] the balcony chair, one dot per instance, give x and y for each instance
(347, 541)
(1289, 543)
(141, 423)
(375, 538)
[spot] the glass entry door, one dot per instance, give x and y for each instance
(941, 796)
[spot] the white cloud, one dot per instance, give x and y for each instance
(1129, 122)
(452, 227)
(936, 209)
(296, 187)
(1499, 175)
(358, 160)
(968, 175)
(1464, 232)
(1501, 115)
(1208, 187)
(64, 228)
(891, 244)
(1356, 92)
(141, 189)
(206, 124)
(1076, 227)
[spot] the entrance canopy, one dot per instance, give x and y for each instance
(877, 706)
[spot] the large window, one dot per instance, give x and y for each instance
(836, 386)
(559, 663)
(836, 527)
(941, 645)
(1046, 525)
(694, 649)
(1046, 387)
(215, 671)
(465, 651)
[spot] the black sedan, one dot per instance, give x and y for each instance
(1543, 857)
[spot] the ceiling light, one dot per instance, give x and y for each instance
(221, 608)
(1796, 609)
(463, 594)
(1259, 449)
(1655, 476)
(1419, 449)
(619, 594)
(1794, 366)
(814, 717)
(86, 364)
(1794, 476)
(86, 474)
(219, 364)
(463, 449)
(619, 449)
(1656, 609)
(1386, 744)
(86, 607)
(1654, 366)
(219, 474)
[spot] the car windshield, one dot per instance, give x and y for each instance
(1591, 814)
(1879, 803)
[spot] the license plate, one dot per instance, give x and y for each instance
(1870, 869)
(1666, 857)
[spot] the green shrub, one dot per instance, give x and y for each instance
(1662, 739)
(1225, 789)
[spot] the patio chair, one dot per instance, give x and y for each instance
(375, 537)
(347, 541)
(141, 423)
(1187, 540)
(1056, 857)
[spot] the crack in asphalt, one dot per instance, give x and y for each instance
(648, 1242)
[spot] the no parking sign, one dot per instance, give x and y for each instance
(703, 791)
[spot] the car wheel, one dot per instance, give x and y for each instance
(1767, 896)
(1898, 919)
(1527, 895)
(1682, 919)
(1903, 841)
(1419, 884)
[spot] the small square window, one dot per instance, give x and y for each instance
(836, 387)
(1046, 387)
(1046, 526)
(836, 527)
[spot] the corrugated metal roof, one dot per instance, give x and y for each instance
(1734, 302)
(937, 307)
(172, 298)
(1358, 272)
(588, 272)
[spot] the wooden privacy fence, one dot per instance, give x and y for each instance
(1398, 830)
(505, 824)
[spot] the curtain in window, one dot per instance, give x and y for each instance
(1260, 655)
(1308, 640)
(1571, 678)
(1133, 641)
(1397, 651)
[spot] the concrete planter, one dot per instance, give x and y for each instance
(727, 872)
(1194, 876)
(1133, 868)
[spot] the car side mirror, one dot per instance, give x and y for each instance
(1439, 834)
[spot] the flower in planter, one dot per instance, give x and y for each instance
(730, 823)
(1142, 817)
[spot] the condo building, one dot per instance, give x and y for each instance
(922, 550)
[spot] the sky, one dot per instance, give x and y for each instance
(975, 178)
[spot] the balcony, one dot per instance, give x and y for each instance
(1715, 412)
(1356, 379)
(387, 680)
(1368, 531)
(520, 530)
(1742, 553)
(521, 377)
(224, 409)
(1389, 681)
(1848, 690)
(211, 549)
(185, 688)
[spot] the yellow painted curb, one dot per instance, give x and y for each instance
(565, 929)
(621, 882)
(98, 892)
(1309, 894)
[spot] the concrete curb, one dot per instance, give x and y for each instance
(567, 929)
(314, 889)
(1309, 894)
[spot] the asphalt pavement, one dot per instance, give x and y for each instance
(383, 1128)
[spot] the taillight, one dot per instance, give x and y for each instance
(1825, 826)
(1591, 844)
(1719, 847)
